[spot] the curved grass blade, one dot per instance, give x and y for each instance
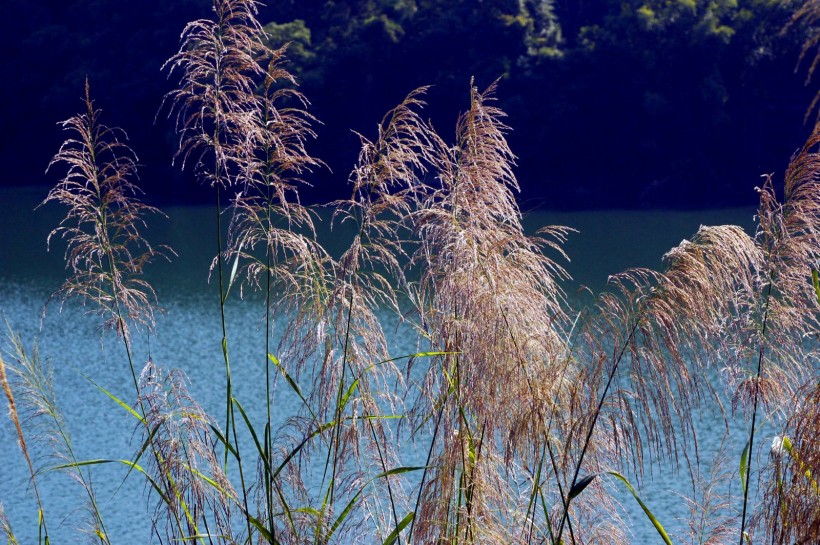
(128, 463)
(293, 386)
(394, 535)
(262, 454)
(646, 510)
(117, 400)
(744, 466)
(234, 268)
(342, 516)
(583, 483)
(264, 532)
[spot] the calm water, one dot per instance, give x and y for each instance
(188, 337)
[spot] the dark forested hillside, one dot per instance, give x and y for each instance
(627, 103)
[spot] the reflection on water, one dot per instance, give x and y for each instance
(188, 336)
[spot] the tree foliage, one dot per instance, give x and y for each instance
(678, 100)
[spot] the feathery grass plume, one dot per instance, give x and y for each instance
(219, 64)
(354, 380)
(674, 324)
(220, 61)
(106, 251)
(489, 297)
(272, 234)
(712, 509)
(36, 390)
(196, 499)
(267, 210)
(726, 297)
(789, 234)
(791, 511)
(645, 349)
(21, 442)
(5, 528)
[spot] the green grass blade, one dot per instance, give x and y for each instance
(293, 386)
(342, 516)
(286, 507)
(266, 535)
(232, 277)
(546, 511)
(581, 485)
(251, 429)
(394, 535)
(347, 395)
(127, 463)
(117, 400)
(646, 510)
(221, 439)
(815, 280)
(211, 482)
(301, 445)
(744, 466)
(399, 470)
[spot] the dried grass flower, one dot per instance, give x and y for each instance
(106, 251)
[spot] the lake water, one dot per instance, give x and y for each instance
(188, 336)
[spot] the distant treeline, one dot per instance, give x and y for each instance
(612, 102)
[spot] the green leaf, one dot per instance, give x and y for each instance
(581, 485)
(744, 466)
(815, 280)
(308, 510)
(266, 535)
(221, 438)
(347, 395)
(128, 463)
(293, 386)
(398, 470)
(263, 457)
(235, 267)
(342, 516)
(646, 510)
(394, 535)
(119, 402)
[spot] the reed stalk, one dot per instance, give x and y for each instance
(21, 442)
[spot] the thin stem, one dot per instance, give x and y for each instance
(754, 410)
(230, 416)
(426, 467)
(595, 415)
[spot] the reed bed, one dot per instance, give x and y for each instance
(530, 411)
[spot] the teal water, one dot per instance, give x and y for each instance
(188, 336)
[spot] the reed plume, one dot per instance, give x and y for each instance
(219, 65)
(36, 388)
(106, 251)
(267, 210)
(489, 298)
(196, 500)
(355, 383)
(21, 442)
(791, 510)
(5, 528)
